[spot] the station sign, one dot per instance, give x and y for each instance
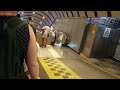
(107, 32)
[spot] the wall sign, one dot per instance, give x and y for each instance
(107, 32)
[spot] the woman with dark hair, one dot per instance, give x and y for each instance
(18, 15)
(32, 25)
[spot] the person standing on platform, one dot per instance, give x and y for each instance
(45, 34)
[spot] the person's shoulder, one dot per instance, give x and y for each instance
(32, 23)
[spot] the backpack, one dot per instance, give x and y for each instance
(10, 66)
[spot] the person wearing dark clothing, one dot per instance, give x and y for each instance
(18, 15)
(26, 44)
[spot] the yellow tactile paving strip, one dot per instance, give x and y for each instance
(57, 70)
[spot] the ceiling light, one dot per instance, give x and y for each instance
(51, 27)
(43, 17)
(40, 22)
(22, 12)
(33, 12)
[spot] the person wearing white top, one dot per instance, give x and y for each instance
(45, 35)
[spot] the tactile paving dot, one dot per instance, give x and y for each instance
(56, 67)
(52, 69)
(47, 62)
(65, 77)
(49, 65)
(67, 73)
(60, 71)
(63, 69)
(56, 74)
(44, 59)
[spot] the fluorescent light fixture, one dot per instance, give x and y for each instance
(33, 12)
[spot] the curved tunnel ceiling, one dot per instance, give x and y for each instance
(40, 18)
(43, 18)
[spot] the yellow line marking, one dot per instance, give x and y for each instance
(87, 60)
(53, 52)
(55, 69)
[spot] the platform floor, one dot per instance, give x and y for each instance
(63, 63)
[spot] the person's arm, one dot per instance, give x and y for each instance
(31, 58)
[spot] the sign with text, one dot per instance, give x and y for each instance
(107, 32)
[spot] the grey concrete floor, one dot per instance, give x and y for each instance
(72, 60)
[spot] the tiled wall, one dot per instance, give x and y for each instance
(74, 27)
